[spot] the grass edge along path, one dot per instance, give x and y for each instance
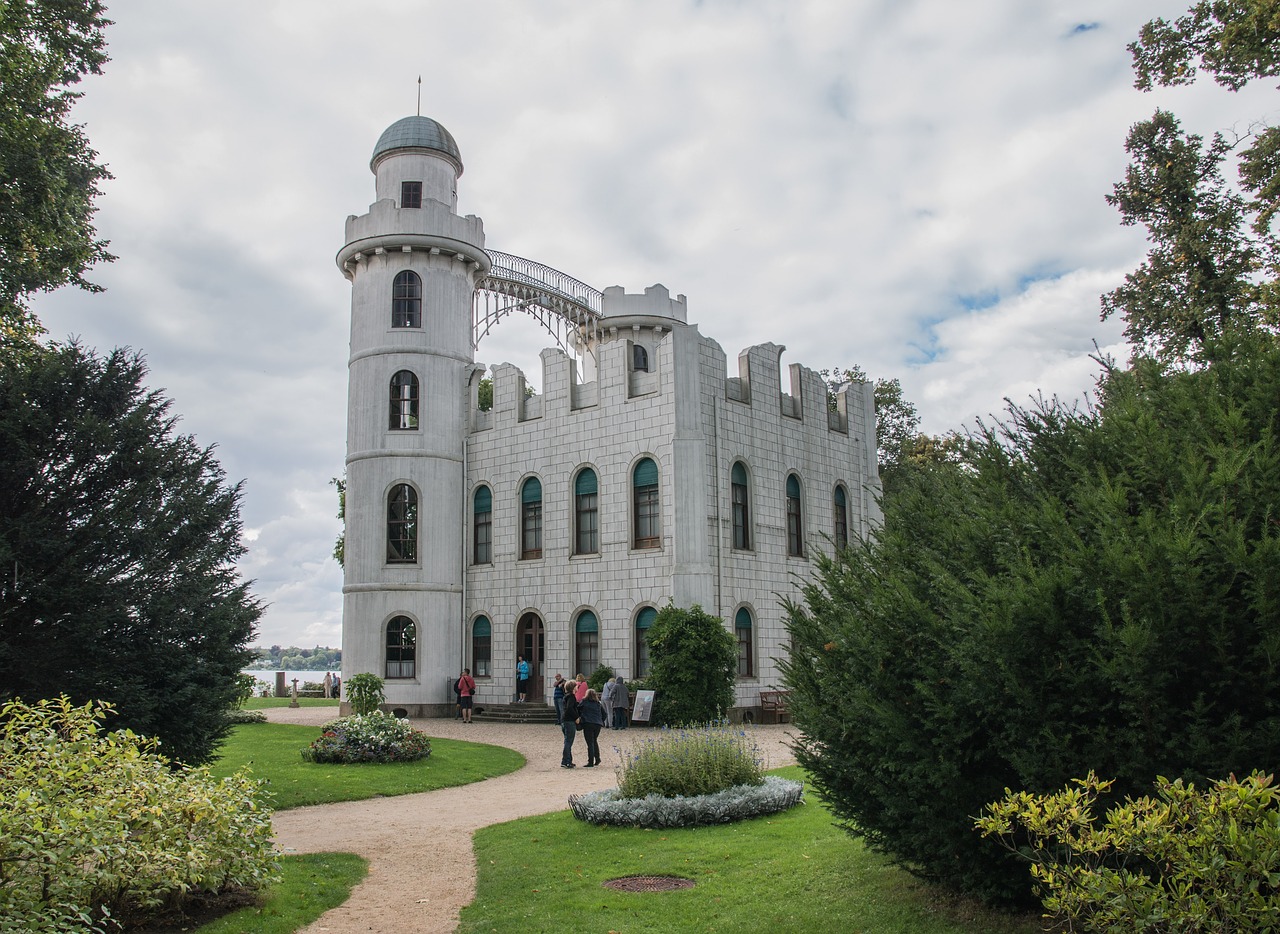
(794, 871)
(274, 751)
(311, 884)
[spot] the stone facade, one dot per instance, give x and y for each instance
(650, 401)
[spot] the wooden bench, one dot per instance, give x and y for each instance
(773, 707)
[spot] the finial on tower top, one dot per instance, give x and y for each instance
(419, 95)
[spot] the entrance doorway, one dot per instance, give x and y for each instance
(531, 643)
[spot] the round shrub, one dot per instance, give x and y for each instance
(691, 761)
(371, 737)
(772, 795)
(693, 664)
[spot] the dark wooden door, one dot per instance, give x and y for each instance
(531, 643)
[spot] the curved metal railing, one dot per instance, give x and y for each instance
(567, 308)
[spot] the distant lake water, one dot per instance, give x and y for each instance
(268, 677)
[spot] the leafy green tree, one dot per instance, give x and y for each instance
(900, 445)
(49, 176)
(1213, 260)
(118, 542)
(693, 661)
(1093, 589)
(340, 545)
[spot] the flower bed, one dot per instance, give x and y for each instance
(372, 737)
(737, 803)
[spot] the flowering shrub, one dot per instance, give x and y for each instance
(97, 828)
(691, 761)
(370, 737)
(771, 795)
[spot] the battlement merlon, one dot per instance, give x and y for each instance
(654, 308)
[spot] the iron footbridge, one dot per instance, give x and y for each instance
(569, 310)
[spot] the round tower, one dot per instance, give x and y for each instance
(413, 265)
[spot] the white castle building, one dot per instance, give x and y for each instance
(555, 526)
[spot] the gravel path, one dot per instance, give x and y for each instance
(421, 863)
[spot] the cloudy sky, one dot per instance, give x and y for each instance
(912, 185)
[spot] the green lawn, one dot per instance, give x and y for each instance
(312, 884)
(274, 752)
(794, 871)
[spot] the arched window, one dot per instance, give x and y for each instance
(639, 358)
(586, 514)
(402, 524)
(644, 620)
(531, 519)
(404, 402)
(402, 645)
(841, 524)
(481, 647)
(746, 654)
(406, 300)
(795, 518)
(482, 527)
(586, 643)
(741, 508)
(644, 487)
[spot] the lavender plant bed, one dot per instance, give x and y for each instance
(733, 804)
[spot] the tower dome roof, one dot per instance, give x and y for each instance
(416, 133)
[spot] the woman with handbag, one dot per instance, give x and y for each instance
(591, 713)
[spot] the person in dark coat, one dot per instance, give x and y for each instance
(621, 699)
(569, 725)
(591, 713)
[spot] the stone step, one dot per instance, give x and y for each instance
(515, 713)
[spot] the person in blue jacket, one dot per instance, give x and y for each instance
(522, 679)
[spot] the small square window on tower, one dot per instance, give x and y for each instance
(411, 194)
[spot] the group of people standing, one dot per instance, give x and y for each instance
(579, 707)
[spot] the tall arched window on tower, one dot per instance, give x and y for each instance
(531, 519)
(482, 647)
(639, 358)
(741, 507)
(586, 643)
(586, 514)
(404, 402)
(795, 518)
(402, 524)
(402, 647)
(644, 620)
(482, 527)
(746, 644)
(644, 487)
(841, 524)
(406, 300)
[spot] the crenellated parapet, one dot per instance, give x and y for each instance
(432, 228)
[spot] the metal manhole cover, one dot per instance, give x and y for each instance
(648, 883)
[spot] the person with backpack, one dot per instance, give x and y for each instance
(466, 686)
